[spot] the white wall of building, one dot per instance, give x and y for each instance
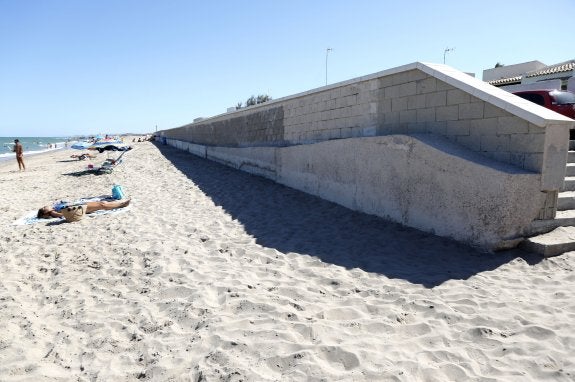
(571, 84)
(511, 70)
(550, 84)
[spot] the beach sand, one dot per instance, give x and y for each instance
(217, 275)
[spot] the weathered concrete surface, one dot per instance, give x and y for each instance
(422, 181)
(554, 157)
(255, 160)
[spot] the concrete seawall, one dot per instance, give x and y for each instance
(424, 145)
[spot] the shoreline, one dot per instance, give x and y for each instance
(12, 157)
(214, 274)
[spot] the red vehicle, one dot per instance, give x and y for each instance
(561, 101)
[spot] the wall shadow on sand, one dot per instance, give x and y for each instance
(292, 221)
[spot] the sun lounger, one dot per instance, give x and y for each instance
(108, 166)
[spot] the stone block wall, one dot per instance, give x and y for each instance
(320, 141)
(251, 127)
(392, 102)
(414, 102)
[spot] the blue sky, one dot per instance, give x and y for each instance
(72, 67)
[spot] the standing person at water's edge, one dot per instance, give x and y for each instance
(19, 154)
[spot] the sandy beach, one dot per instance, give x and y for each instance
(218, 275)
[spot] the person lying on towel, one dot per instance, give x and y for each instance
(48, 212)
(83, 156)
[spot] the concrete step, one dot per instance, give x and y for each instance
(553, 243)
(569, 184)
(562, 219)
(570, 169)
(557, 236)
(566, 201)
(565, 217)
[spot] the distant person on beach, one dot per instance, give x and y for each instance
(48, 212)
(19, 154)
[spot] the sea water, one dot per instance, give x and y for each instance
(31, 145)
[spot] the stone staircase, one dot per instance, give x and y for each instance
(557, 236)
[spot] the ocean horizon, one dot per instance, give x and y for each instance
(32, 145)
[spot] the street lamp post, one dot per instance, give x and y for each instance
(326, 54)
(445, 52)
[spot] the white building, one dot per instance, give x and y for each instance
(532, 75)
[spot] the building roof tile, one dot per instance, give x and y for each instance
(505, 81)
(552, 69)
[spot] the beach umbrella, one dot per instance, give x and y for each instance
(81, 145)
(108, 146)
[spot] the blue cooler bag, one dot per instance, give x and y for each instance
(117, 192)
